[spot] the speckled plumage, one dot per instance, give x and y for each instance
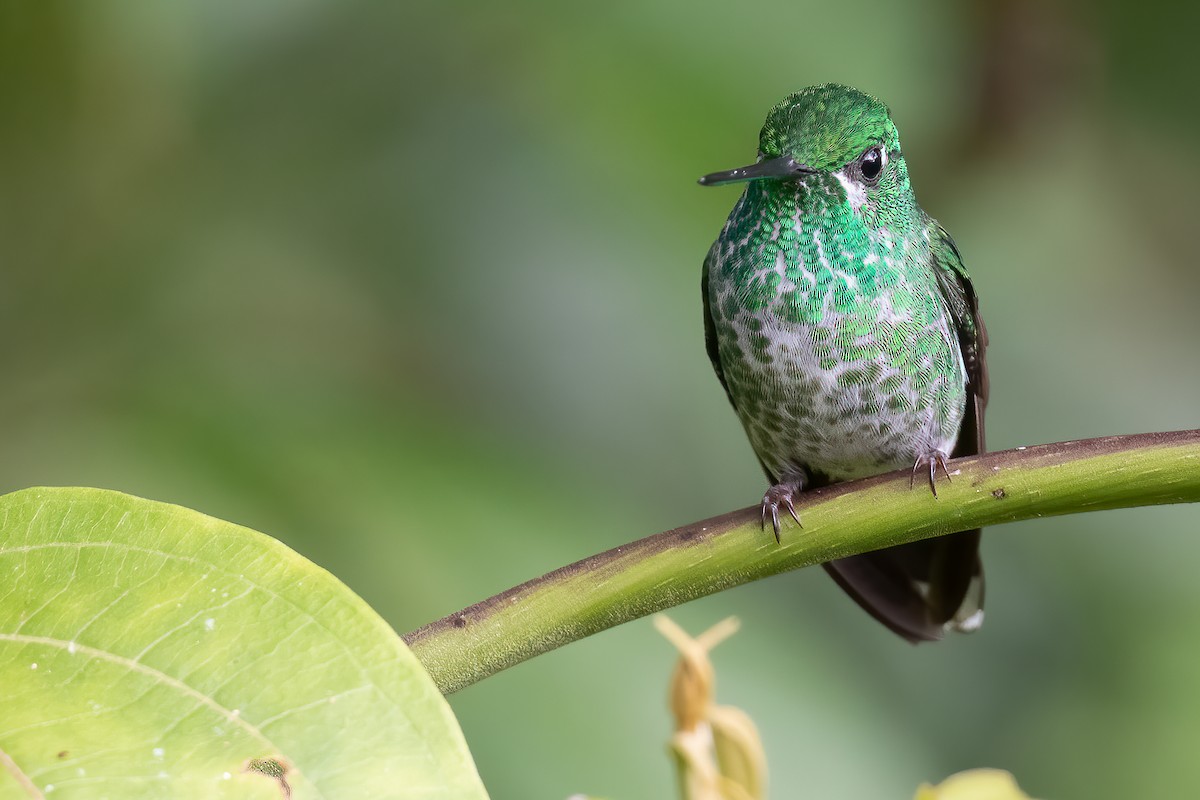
(845, 331)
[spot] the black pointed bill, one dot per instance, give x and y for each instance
(782, 167)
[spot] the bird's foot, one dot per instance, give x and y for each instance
(779, 496)
(931, 460)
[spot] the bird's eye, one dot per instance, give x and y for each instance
(871, 164)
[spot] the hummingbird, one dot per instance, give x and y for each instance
(845, 330)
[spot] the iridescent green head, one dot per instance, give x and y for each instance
(829, 129)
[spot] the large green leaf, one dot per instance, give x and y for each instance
(147, 650)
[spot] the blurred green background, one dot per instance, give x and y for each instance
(414, 288)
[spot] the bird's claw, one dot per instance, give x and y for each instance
(933, 460)
(779, 495)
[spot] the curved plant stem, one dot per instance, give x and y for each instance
(676, 566)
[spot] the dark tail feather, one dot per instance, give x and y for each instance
(918, 589)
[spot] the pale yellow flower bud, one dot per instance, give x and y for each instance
(717, 749)
(974, 784)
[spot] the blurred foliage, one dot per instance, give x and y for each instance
(361, 275)
(148, 651)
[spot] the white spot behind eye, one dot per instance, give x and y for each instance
(856, 193)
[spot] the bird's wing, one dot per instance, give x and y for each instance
(972, 336)
(710, 327)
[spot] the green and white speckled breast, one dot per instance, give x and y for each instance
(834, 340)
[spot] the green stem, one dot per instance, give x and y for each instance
(671, 568)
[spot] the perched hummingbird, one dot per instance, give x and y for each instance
(845, 330)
